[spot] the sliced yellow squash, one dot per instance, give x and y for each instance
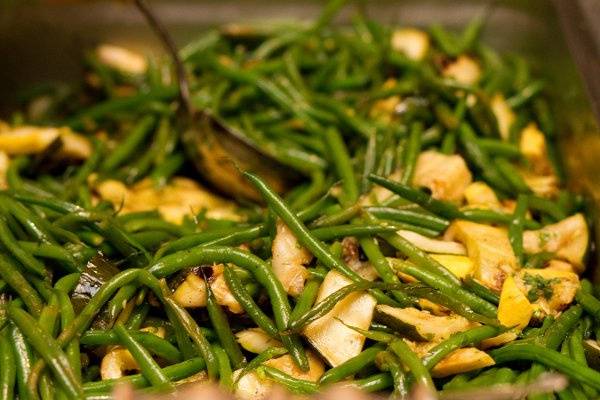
(505, 116)
(489, 248)
(461, 266)
(420, 325)
(514, 309)
(462, 360)
(480, 194)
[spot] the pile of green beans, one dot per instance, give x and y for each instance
(80, 277)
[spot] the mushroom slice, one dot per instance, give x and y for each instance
(447, 176)
(255, 340)
(414, 43)
(331, 337)
(289, 260)
(464, 70)
(433, 245)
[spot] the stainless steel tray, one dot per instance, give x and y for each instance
(43, 41)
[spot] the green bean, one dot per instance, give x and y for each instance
(15, 279)
(374, 383)
(114, 105)
(454, 291)
(341, 231)
(153, 343)
(480, 290)
(316, 247)
(381, 265)
(225, 374)
(173, 373)
(328, 303)
(350, 366)
(128, 146)
(590, 304)
(495, 217)
(241, 295)
(162, 172)
(549, 358)
(51, 251)
(547, 206)
(67, 315)
(27, 260)
(194, 239)
(413, 363)
(437, 207)
(265, 355)
(343, 166)
(420, 258)
(528, 92)
(412, 217)
(411, 154)
(33, 224)
(515, 229)
(337, 218)
(261, 271)
(22, 352)
(8, 373)
(49, 350)
(560, 327)
(148, 366)
(223, 330)
(456, 341)
(480, 159)
(294, 385)
(86, 315)
(306, 299)
(511, 175)
(497, 148)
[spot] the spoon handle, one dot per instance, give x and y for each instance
(167, 41)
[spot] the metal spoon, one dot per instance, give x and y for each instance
(219, 152)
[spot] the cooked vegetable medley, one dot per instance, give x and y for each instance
(427, 239)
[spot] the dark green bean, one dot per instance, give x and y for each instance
(27, 260)
(515, 229)
(223, 330)
(454, 291)
(549, 358)
(173, 373)
(413, 363)
(316, 247)
(148, 366)
(8, 373)
(294, 385)
(15, 279)
(413, 148)
(480, 159)
(437, 207)
(351, 366)
(241, 295)
(49, 350)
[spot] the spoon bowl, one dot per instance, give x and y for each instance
(218, 151)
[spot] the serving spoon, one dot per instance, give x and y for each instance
(219, 152)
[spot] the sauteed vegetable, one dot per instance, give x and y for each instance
(427, 239)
